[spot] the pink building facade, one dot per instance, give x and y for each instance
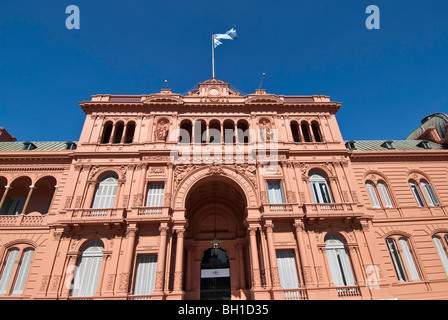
(214, 195)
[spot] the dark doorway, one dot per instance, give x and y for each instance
(215, 275)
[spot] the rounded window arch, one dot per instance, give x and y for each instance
(229, 131)
(379, 194)
(319, 187)
(215, 131)
(107, 132)
(106, 191)
(295, 131)
(87, 273)
(402, 257)
(200, 131)
(315, 128)
(130, 132)
(306, 131)
(16, 267)
(430, 194)
(338, 261)
(186, 131)
(440, 240)
(243, 131)
(119, 130)
(416, 192)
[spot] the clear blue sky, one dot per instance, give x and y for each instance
(387, 79)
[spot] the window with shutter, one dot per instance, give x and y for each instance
(287, 269)
(154, 197)
(145, 276)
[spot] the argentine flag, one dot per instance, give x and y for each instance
(229, 35)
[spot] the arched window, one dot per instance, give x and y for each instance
(372, 195)
(306, 131)
(14, 203)
(107, 132)
(200, 132)
(417, 194)
(295, 131)
(130, 131)
(106, 192)
(338, 261)
(319, 188)
(119, 130)
(442, 246)
(316, 131)
(383, 193)
(243, 131)
(430, 195)
(402, 259)
(215, 131)
(229, 131)
(15, 271)
(186, 130)
(88, 272)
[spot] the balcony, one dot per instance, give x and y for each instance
(91, 216)
(21, 220)
(346, 210)
(280, 209)
(141, 214)
(295, 294)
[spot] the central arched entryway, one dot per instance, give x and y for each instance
(216, 238)
(215, 275)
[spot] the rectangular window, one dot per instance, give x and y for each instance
(287, 269)
(145, 275)
(154, 196)
(275, 191)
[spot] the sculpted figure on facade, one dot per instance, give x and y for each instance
(161, 132)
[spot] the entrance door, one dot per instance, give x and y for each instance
(215, 275)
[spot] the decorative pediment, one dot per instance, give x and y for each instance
(213, 89)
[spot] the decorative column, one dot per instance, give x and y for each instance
(272, 255)
(112, 133)
(306, 268)
(4, 196)
(118, 194)
(178, 272)
(161, 256)
(91, 186)
(139, 198)
(67, 289)
(28, 199)
(256, 280)
(169, 184)
(335, 189)
(290, 197)
(128, 257)
(52, 199)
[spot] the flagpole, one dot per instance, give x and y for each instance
(213, 55)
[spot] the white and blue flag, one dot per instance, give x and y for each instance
(229, 35)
